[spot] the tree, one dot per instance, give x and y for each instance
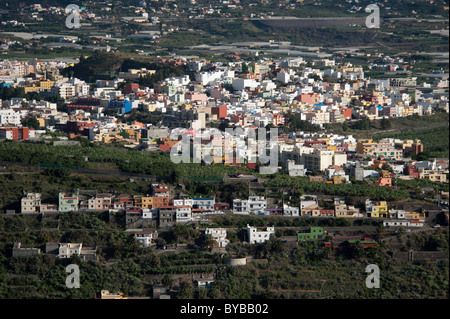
(345, 126)
(349, 200)
(186, 290)
(244, 68)
(167, 280)
(363, 124)
(385, 124)
(207, 242)
(59, 172)
(124, 134)
(31, 122)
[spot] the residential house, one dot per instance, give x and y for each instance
(290, 211)
(68, 202)
(204, 203)
(219, 235)
(31, 203)
(314, 233)
(167, 216)
(254, 205)
(146, 238)
(183, 214)
(258, 235)
(307, 204)
(378, 209)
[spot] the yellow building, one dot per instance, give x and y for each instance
(434, 176)
(41, 121)
(31, 88)
(150, 202)
(255, 67)
(107, 139)
(339, 179)
(365, 146)
(415, 215)
(134, 135)
(143, 201)
(332, 148)
(46, 85)
(105, 294)
(377, 209)
(385, 174)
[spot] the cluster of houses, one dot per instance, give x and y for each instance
(160, 210)
(243, 94)
(60, 250)
(150, 208)
(222, 93)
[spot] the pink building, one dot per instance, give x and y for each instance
(384, 181)
(196, 97)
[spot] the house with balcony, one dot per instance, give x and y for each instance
(68, 202)
(291, 211)
(167, 216)
(160, 190)
(150, 202)
(259, 235)
(30, 204)
(342, 210)
(183, 214)
(122, 202)
(204, 203)
(219, 235)
(146, 238)
(376, 209)
(307, 204)
(100, 202)
(253, 205)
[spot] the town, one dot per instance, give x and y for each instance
(209, 150)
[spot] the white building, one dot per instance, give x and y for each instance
(183, 214)
(397, 214)
(69, 249)
(403, 223)
(308, 201)
(219, 235)
(204, 203)
(258, 235)
(183, 202)
(254, 205)
(290, 211)
(31, 203)
(9, 116)
(318, 160)
(242, 84)
(145, 238)
(283, 77)
(208, 78)
(295, 169)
